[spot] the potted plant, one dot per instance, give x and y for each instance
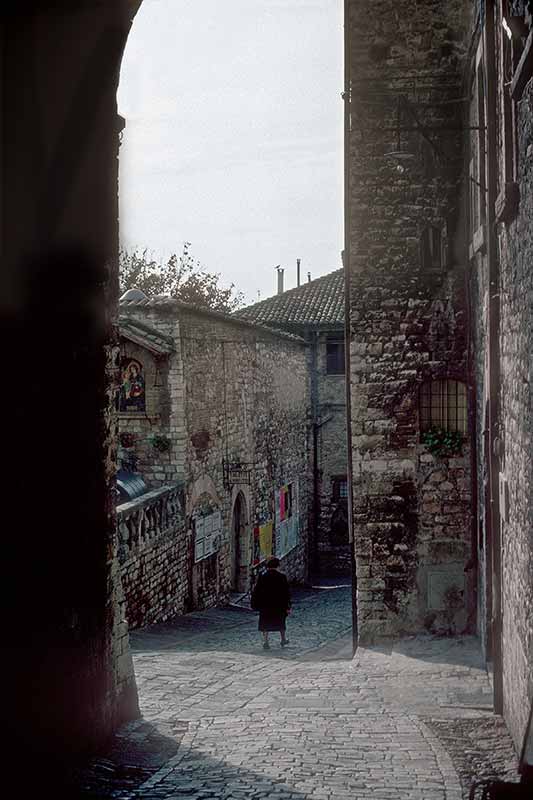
(443, 443)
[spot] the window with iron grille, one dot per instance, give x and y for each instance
(335, 355)
(443, 404)
(339, 488)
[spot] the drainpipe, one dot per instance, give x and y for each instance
(346, 263)
(297, 272)
(473, 563)
(493, 347)
(314, 415)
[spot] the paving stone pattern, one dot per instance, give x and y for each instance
(309, 721)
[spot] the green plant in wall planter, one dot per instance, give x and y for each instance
(443, 443)
(161, 442)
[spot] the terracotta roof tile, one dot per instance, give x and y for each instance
(318, 302)
(144, 335)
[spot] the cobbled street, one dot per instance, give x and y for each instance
(409, 719)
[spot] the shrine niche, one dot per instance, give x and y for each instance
(132, 395)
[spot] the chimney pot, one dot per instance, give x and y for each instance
(308, 277)
(280, 279)
(297, 272)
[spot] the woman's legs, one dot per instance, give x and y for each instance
(283, 637)
(265, 640)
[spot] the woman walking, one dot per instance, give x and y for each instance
(271, 597)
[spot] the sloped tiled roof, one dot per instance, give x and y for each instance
(144, 335)
(166, 303)
(316, 303)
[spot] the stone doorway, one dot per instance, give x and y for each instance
(241, 550)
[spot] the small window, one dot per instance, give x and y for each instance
(339, 488)
(443, 405)
(431, 248)
(335, 355)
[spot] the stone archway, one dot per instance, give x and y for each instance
(240, 537)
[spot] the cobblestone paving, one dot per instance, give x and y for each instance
(309, 722)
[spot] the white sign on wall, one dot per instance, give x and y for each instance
(207, 535)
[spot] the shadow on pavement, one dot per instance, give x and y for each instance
(136, 752)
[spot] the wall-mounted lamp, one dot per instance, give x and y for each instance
(399, 156)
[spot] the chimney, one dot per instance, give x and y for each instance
(280, 279)
(308, 277)
(297, 272)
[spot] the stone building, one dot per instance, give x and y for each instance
(438, 250)
(219, 406)
(315, 311)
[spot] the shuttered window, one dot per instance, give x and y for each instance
(335, 356)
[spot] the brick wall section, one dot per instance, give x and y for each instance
(516, 347)
(411, 512)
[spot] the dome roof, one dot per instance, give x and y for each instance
(133, 294)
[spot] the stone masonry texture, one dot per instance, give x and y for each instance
(228, 392)
(407, 326)
(333, 551)
(515, 240)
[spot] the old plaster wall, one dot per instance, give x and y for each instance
(411, 511)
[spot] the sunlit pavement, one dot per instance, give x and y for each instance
(308, 721)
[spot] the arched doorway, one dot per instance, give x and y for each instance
(241, 547)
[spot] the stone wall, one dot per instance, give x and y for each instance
(516, 464)
(241, 396)
(154, 553)
(333, 551)
(246, 403)
(411, 512)
(164, 412)
(59, 230)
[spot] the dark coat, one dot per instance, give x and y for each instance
(271, 597)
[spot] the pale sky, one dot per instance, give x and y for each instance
(233, 139)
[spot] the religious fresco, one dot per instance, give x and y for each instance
(132, 395)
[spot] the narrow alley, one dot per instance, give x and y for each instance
(225, 719)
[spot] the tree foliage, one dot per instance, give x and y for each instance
(181, 277)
